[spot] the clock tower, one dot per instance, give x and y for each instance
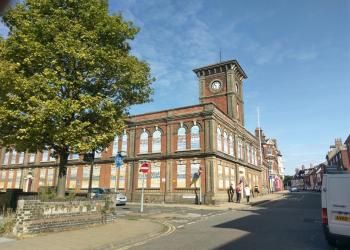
(222, 84)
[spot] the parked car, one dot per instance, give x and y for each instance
(294, 189)
(335, 200)
(120, 199)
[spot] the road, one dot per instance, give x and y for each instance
(290, 223)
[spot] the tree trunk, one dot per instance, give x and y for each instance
(62, 173)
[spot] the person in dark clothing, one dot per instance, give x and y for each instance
(238, 193)
(230, 192)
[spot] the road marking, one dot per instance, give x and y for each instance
(170, 230)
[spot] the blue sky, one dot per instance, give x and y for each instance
(296, 55)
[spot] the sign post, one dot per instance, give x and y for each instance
(144, 168)
(118, 161)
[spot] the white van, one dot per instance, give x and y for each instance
(336, 206)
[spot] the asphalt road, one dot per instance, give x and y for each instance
(290, 223)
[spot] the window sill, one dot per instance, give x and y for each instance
(188, 150)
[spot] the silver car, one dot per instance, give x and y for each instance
(120, 199)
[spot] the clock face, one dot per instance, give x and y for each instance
(216, 85)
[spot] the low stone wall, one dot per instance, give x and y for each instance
(35, 216)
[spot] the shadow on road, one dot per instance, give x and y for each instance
(290, 223)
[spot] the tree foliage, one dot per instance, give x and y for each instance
(67, 77)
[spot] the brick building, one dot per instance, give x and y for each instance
(338, 155)
(177, 142)
(273, 158)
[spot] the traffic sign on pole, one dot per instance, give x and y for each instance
(144, 168)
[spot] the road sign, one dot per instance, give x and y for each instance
(144, 168)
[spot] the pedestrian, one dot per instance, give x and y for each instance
(256, 190)
(230, 192)
(247, 192)
(238, 193)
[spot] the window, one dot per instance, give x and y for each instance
(218, 139)
(21, 158)
(73, 177)
(51, 158)
(97, 154)
(75, 156)
(269, 151)
(31, 158)
(122, 172)
(6, 158)
(45, 155)
(181, 175)
(125, 142)
(18, 178)
(240, 149)
(248, 152)
(195, 137)
(156, 141)
(237, 111)
(86, 175)
(50, 177)
(2, 178)
(42, 177)
(10, 179)
(155, 175)
(232, 151)
(227, 177)
(96, 177)
(13, 158)
(181, 139)
(194, 169)
(220, 176)
(113, 177)
(115, 146)
(144, 142)
(225, 143)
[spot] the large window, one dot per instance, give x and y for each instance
(6, 158)
(42, 177)
(220, 176)
(18, 178)
(45, 155)
(156, 141)
(195, 137)
(121, 179)
(225, 143)
(125, 142)
(155, 175)
(144, 142)
(181, 175)
(218, 139)
(96, 177)
(232, 151)
(2, 178)
(248, 152)
(73, 177)
(21, 158)
(181, 139)
(10, 179)
(240, 149)
(115, 145)
(32, 158)
(13, 158)
(86, 175)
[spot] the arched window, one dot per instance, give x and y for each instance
(218, 139)
(181, 139)
(14, 155)
(115, 145)
(231, 146)
(125, 142)
(237, 111)
(225, 143)
(195, 137)
(144, 142)
(156, 141)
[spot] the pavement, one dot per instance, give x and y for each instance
(132, 229)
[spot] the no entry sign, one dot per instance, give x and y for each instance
(145, 167)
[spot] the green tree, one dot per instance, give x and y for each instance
(67, 77)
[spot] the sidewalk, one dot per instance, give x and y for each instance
(224, 205)
(110, 236)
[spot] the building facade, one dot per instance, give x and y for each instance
(338, 155)
(177, 142)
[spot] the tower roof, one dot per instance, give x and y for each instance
(230, 64)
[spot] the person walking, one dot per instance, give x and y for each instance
(247, 192)
(230, 192)
(238, 193)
